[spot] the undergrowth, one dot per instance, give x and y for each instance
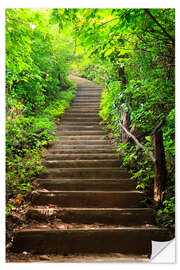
(26, 139)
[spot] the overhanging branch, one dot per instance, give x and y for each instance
(162, 28)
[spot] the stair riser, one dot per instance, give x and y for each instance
(81, 127)
(90, 88)
(131, 217)
(81, 163)
(86, 100)
(69, 242)
(82, 147)
(87, 185)
(81, 137)
(90, 199)
(86, 173)
(81, 156)
(87, 106)
(90, 96)
(81, 115)
(81, 133)
(83, 104)
(86, 95)
(83, 110)
(80, 151)
(83, 142)
(79, 123)
(80, 119)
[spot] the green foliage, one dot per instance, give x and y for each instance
(38, 92)
(24, 147)
(35, 66)
(166, 215)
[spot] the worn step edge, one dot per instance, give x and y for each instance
(83, 119)
(87, 116)
(83, 110)
(85, 151)
(79, 123)
(80, 142)
(87, 184)
(89, 199)
(118, 216)
(80, 163)
(123, 240)
(82, 137)
(81, 133)
(79, 156)
(81, 147)
(79, 126)
(85, 173)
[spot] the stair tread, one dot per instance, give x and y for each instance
(44, 191)
(82, 227)
(125, 209)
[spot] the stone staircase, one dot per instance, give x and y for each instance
(86, 203)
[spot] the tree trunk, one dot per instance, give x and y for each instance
(125, 124)
(160, 167)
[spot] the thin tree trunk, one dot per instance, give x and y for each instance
(160, 167)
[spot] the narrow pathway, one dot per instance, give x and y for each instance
(86, 203)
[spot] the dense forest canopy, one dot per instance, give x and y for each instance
(130, 52)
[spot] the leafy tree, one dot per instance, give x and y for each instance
(38, 91)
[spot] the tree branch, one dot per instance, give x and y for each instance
(158, 127)
(162, 28)
(137, 142)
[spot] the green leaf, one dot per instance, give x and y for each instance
(108, 52)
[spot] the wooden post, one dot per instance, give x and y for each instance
(160, 166)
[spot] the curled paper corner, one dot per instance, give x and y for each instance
(163, 252)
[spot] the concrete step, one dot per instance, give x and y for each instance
(83, 110)
(87, 184)
(81, 147)
(81, 133)
(83, 157)
(80, 119)
(90, 88)
(83, 142)
(87, 99)
(89, 199)
(81, 137)
(82, 258)
(88, 95)
(127, 240)
(95, 91)
(81, 163)
(87, 173)
(80, 127)
(108, 216)
(81, 115)
(83, 104)
(84, 96)
(78, 105)
(81, 151)
(80, 123)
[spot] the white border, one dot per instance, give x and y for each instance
(68, 4)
